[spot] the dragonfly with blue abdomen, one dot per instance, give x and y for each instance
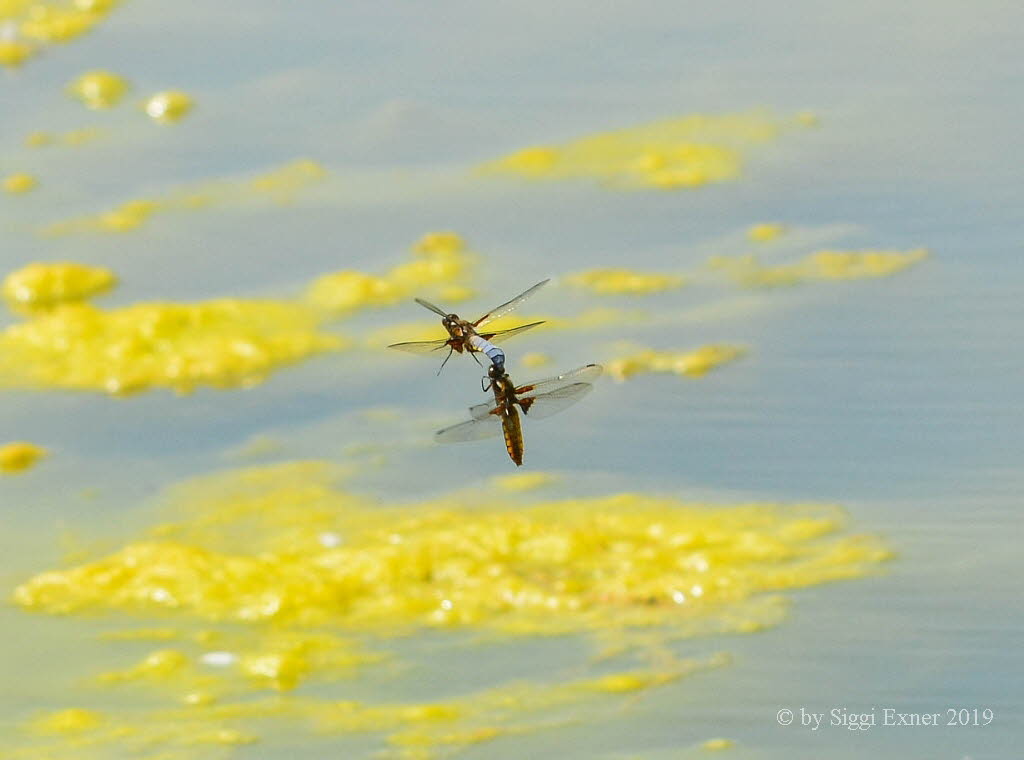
(539, 399)
(468, 337)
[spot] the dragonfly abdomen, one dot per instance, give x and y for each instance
(513, 435)
(495, 354)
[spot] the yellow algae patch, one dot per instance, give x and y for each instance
(718, 744)
(578, 565)
(535, 359)
(692, 363)
(285, 659)
(73, 138)
(623, 281)
(808, 119)
(821, 265)
(157, 666)
(99, 89)
(245, 549)
(61, 22)
(222, 343)
(259, 445)
(42, 285)
(39, 140)
(282, 184)
(278, 660)
(150, 733)
(440, 242)
(410, 730)
(168, 107)
(854, 265)
(285, 181)
(518, 482)
(341, 292)
(141, 634)
(456, 293)
(682, 152)
(71, 721)
(20, 456)
(439, 260)
(762, 233)
(129, 215)
(15, 52)
(19, 183)
(625, 682)
(484, 715)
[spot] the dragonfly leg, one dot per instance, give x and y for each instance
(445, 360)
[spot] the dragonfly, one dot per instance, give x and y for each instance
(539, 399)
(466, 336)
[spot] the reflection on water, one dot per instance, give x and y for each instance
(889, 388)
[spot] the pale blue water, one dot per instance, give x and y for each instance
(899, 398)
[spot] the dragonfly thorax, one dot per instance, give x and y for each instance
(453, 325)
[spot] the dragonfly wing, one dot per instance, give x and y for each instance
(505, 308)
(472, 430)
(585, 374)
(427, 305)
(422, 347)
(501, 335)
(546, 404)
(480, 411)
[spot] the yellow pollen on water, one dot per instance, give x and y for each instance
(19, 456)
(243, 549)
(762, 233)
(535, 359)
(624, 281)
(821, 265)
(19, 183)
(692, 363)
(168, 107)
(15, 52)
(284, 182)
(519, 482)
(439, 261)
(222, 343)
(43, 285)
(99, 89)
(718, 744)
(281, 184)
(71, 721)
(675, 153)
(557, 556)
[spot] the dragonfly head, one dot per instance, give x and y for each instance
(451, 323)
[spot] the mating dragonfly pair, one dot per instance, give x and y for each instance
(537, 400)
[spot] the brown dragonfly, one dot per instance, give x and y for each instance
(537, 400)
(466, 336)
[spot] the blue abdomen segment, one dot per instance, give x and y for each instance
(495, 354)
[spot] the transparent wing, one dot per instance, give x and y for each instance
(480, 411)
(500, 335)
(585, 374)
(505, 308)
(547, 404)
(422, 347)
(473, 430)
(428, 305)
